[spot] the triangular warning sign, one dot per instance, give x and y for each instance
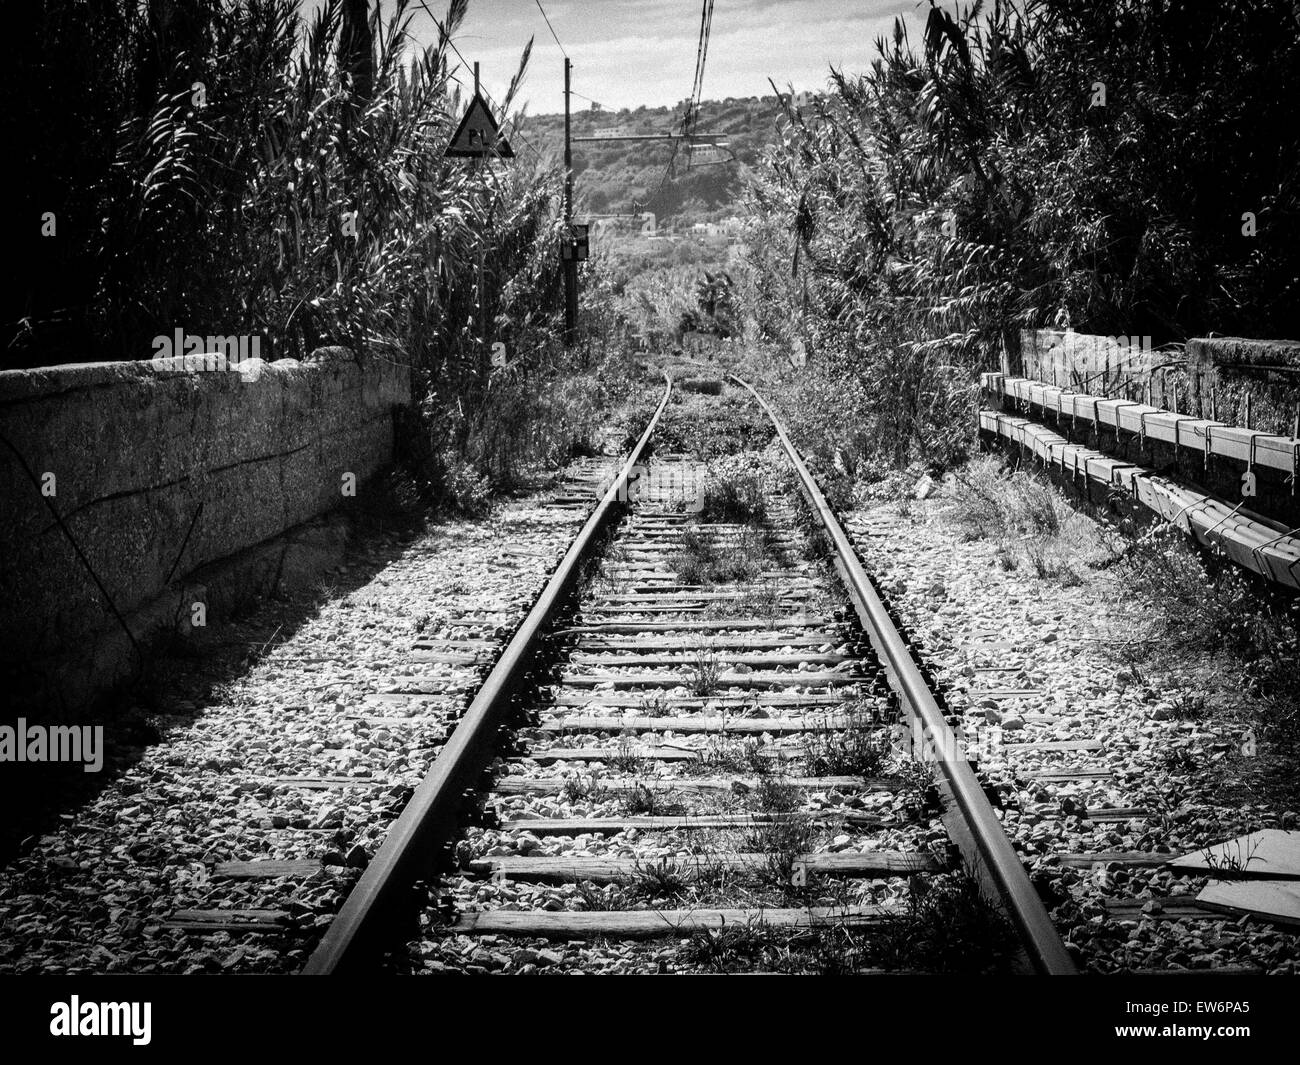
(478, 135)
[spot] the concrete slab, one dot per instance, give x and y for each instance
(1277, 901)
(1271, 854)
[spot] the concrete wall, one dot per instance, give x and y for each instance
(1255, 381)
(158, 472)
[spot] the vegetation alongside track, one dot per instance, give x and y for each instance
(908, 228)
(243, 169)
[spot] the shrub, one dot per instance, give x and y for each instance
(234, 167)
(972, 184)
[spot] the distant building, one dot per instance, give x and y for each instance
(727, 227)
(699, 343)
(642, 224)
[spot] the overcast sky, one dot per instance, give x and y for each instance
(630, 52)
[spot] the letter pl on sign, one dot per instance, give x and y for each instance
(478, 135)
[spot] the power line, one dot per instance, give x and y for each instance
(701, 56)
(550, 27)
(667, 170)
(662, 179)
(699, 49)
(697, 87)
(573, 92)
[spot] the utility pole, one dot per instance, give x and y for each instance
(569, 252)
(482, 290)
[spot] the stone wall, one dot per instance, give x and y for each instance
(154, 473)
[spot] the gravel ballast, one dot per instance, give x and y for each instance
(1026, 660)
(297, 735)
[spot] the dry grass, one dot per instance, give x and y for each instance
(702, 560)
(734, 491)
(1030, 520)
(859, 748)
(993, 502)
(704, 671)
(949, 927)
(1206, 610)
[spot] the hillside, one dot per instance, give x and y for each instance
(623, 176)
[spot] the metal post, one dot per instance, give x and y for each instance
(482, 300)
(482, 294)
(1295, 449)
(570, 264)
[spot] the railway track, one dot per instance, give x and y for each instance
(687, 758)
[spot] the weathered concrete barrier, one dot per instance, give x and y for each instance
(1253, 468)
(121, 480)
(1245, 356)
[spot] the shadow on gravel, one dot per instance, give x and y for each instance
(182, 676)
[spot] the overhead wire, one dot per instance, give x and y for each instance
(558, 44)
(701, 58)
(697, 85)
(550, 27)
(692, 106)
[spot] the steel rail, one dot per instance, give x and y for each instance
(409, 851)
(985, 846)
